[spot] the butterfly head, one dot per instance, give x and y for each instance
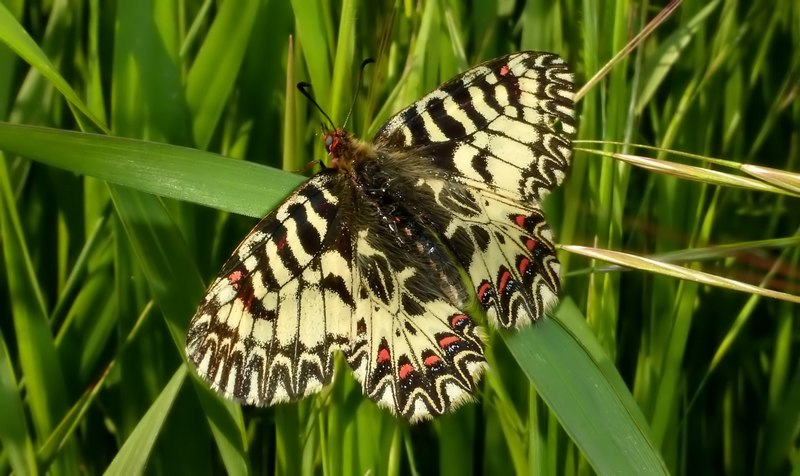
(344, 149)
(336, 144)
(333, 141)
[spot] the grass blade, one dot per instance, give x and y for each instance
(572, 373)
(162, 169)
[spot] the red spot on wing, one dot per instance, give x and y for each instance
(504, 70)
(446, 342)
(523, 265)
(383, 355)
(244, 290)
(431, 360)
(483, 289)
(281, 242)
(405, 371)
(247, 298)
(520, 220)
(457, 320)
(530, 244)
(504, 278)
(235, 277)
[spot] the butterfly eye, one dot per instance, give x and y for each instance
(328, 141)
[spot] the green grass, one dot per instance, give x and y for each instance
(117, 207)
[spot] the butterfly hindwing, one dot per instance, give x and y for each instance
(506, 249)
(414, 352)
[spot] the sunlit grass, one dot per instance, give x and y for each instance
(108, 242)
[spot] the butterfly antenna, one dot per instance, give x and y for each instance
(358, 88)
(303, 88)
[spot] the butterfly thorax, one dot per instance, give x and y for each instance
(345, 150)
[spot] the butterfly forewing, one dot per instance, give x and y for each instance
(505, 125)
(367, 256)
(266, 330)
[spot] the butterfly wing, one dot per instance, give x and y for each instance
(415, 351)
(498, 140)
(506, 248)
(267, 328)
(505, 125)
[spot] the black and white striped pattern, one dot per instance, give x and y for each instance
(366, 256)
(504, 126)
(267, 328)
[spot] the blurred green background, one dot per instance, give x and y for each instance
(110, 235)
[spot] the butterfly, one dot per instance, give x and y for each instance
(382, 254)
